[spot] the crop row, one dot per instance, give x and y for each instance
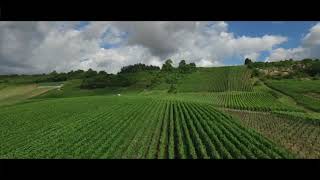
(217, 79)
(253, 101)
(295, 134)
(127, 127)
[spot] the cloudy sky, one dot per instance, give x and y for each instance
(40, 47)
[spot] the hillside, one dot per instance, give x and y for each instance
(305, 92)
(11, 94)
(217, 79)
(144, 112)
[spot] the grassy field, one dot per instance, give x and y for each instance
(11, 94)
(305, 92)
(126, 127)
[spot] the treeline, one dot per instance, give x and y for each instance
(93, 79)
(101, 80)
(58, 77)
(105, 80)
(182, 68)
(138, 67)
(293, 68)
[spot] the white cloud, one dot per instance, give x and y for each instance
(313, 37)
(112, 60)
(282, 54)
(253, 56)
(36, 47)
(309, 48)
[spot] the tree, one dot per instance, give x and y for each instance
(102, 73)
(192, 66)
(186, 68)
(247, 61)
(182, 64)
(183, 67)
(314, 69)
(255, 73)
(90, 73)
(53, 73)
(172, 89)
(137, 68)
(167, 66)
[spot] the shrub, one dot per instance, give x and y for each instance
(172, 89)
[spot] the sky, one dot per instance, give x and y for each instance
(32, 47)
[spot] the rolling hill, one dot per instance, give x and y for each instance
(214, 113)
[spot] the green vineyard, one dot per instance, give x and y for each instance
(253, 101)
(127, 127)
(219, 79)
(297, 135)
(163, 90)
(215, 113)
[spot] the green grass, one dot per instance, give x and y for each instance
(11, 94)
(126, 127)
(72, 89)
(300, 91)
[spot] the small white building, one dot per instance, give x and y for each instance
(118, 94)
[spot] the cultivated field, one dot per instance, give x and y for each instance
(255, 101)
(216, 113)
(297, 134)
(127, 127)
(218, 79)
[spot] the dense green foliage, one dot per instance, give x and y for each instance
(102, 81)
(247, 61)
(186, 68)
(167, 66)
(137, 68)
(286, 69)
